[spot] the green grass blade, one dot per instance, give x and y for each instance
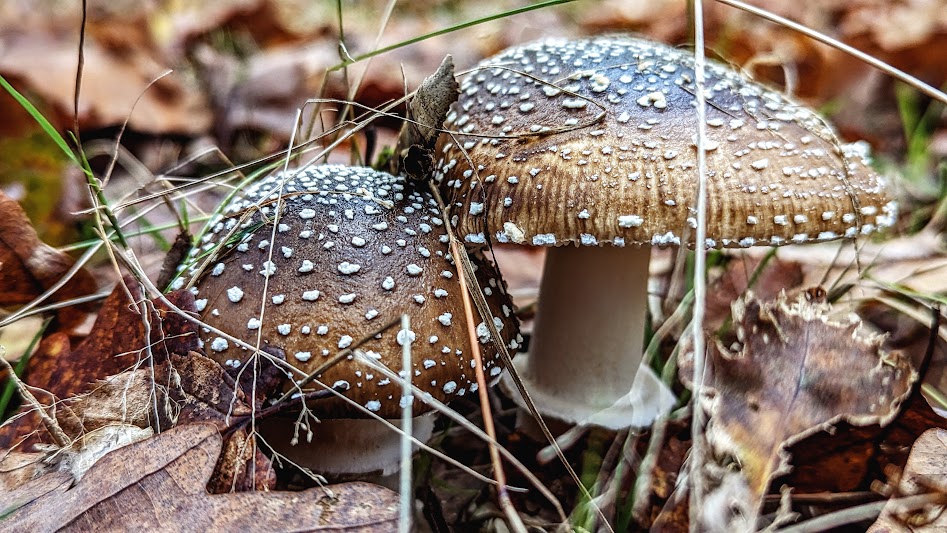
(10, 387)
(39, 118)
(463, 25)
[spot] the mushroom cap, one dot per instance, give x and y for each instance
(594, 141)
(353, 249)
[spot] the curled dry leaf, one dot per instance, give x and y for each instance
(117, 342)
(159, 484)
(792, 373)
(926, 471)
(28, 267)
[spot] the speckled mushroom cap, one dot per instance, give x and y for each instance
(353, 249)
(593, 141)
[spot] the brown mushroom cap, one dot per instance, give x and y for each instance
(594, 141)
(353, 249)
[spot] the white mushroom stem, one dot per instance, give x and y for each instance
(584, 363)
(346, 446)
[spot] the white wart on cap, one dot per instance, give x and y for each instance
(353, 249)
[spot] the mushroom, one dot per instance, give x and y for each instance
(352, 249)
(588, 147)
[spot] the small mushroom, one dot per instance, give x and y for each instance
(589, 147)
(348, 250)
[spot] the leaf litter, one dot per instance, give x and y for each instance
(791, 372)
(159, 484)
(210, 406)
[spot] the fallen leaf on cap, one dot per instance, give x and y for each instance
(159, 484)
(793, 373)
(926, 471)
(28, 267)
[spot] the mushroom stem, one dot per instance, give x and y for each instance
(584, 363)
(346, 446)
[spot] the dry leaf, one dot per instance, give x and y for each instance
(796, 373)
(159, 484)
(116, 343)
(113, 80)
(775, 277)
(28, 267)
(926, 471)
(850, 458)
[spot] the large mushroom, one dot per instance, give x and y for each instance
(348, 250)
(588, 147)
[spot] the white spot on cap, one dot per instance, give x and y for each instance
(253, 323)
(513, 232)
(347, 298)
(630, 221)
(544, 239)
(219, 344)
(306, 266)
(450, 387)
(345, 341)
(405, 336)
(348, 269)
(388, 283)
(268, 269)
(656, 98)
(284, 329)
(307, 213)
(218, 269)
(373, 405)
(413, 270)
(445, 319)
(302, 356)
(235, 294)
(311, 296)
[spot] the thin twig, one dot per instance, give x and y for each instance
(503, 497)
(866, 511)
(407, 431)
(52, 426)
(700, 268)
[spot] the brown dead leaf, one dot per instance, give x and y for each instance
(184, 389)
(926, 471)
(849, 458)
(775, 277)
(796, 373)
(28, 267)
(117, 342)
(159, 484)
(16, 468)
(113, 79)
